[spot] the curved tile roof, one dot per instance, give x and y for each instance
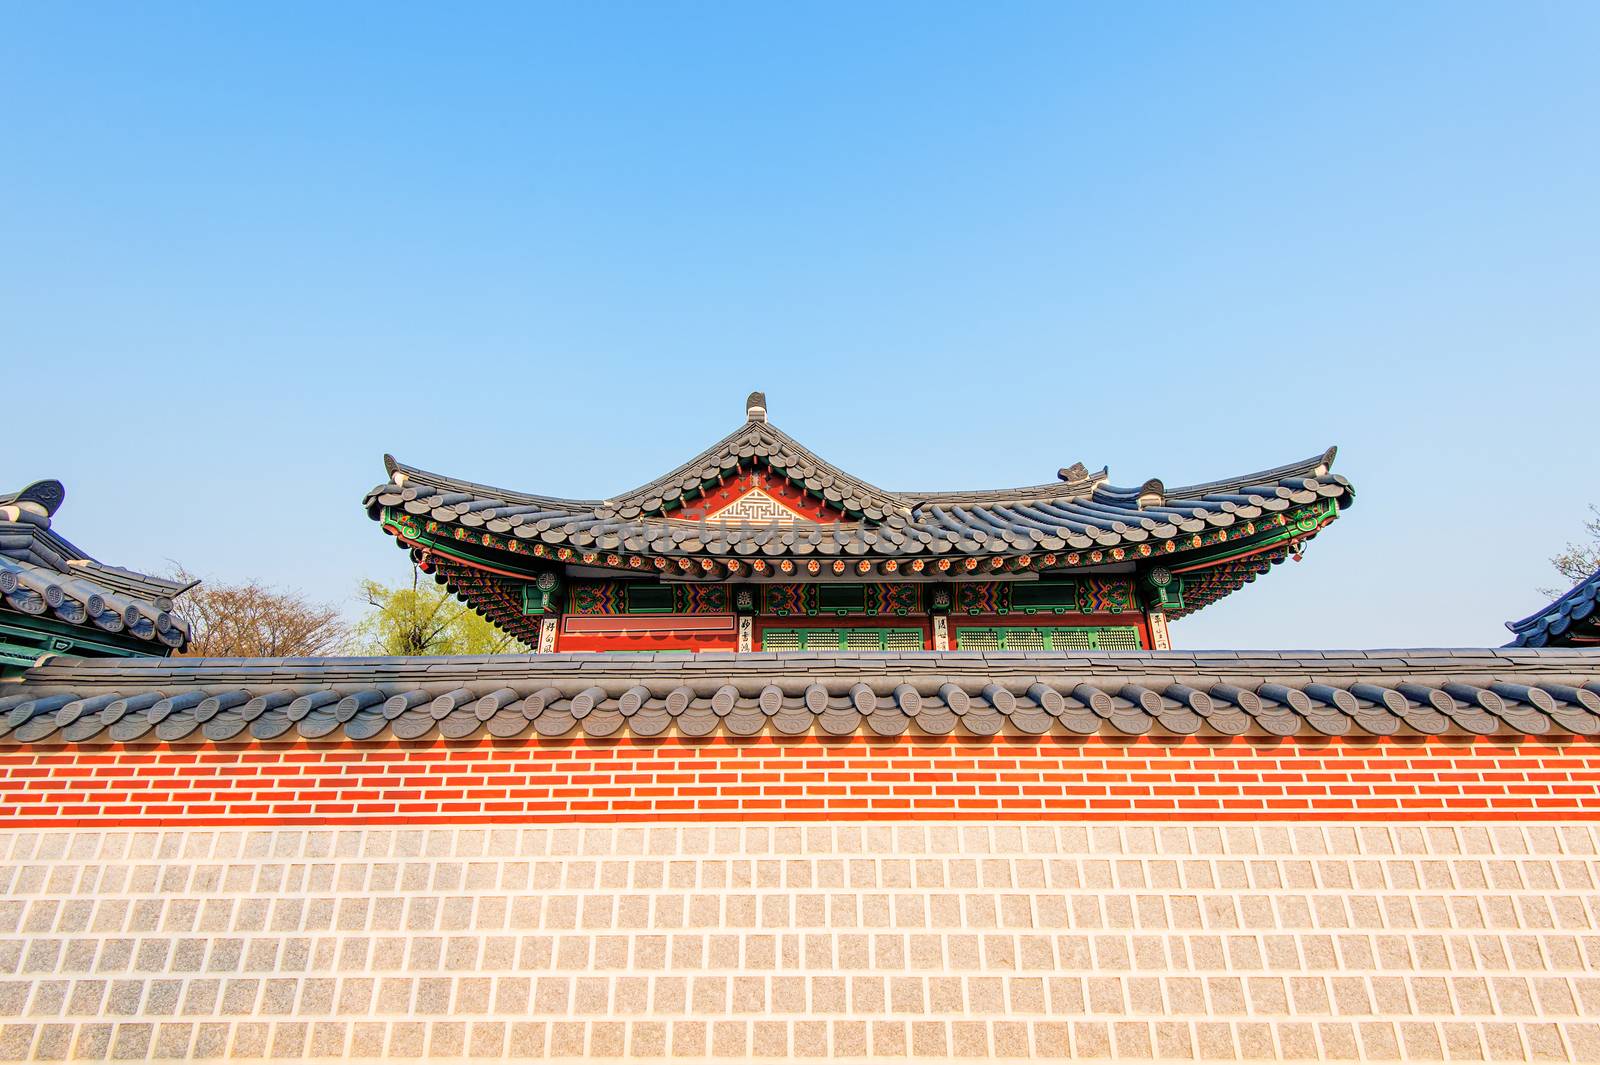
(1082, 511)
(1568, 621)
(1260, 693)
(44, 575)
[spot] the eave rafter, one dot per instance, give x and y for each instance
(1213, 566)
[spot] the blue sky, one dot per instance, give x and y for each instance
(246, 251)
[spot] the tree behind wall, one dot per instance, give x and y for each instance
(423, 618)
(1578, 561)
(255, 621)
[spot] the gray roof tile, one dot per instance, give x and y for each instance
(1485, 692)
(1078, 514)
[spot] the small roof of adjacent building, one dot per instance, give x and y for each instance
(44, 577)
(1570, 621)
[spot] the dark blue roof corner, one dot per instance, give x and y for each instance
(1571, 621)
(55, 599)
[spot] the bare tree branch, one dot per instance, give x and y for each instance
(1579, 561)
(255, 621)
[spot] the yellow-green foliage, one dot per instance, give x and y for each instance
(424, 619)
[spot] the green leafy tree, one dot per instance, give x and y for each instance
(423, 618)
(1578, 561)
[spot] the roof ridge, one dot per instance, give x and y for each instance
(893, 500)
(1316, 465)
(1057, 489)
(764, 440)
(410, 473)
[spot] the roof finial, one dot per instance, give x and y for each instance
(755, 407)
(41, 499)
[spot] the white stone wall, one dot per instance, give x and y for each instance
(1419, 942)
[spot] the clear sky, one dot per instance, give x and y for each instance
(244, 251)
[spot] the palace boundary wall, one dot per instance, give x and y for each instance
(847, 899)
(889, 858)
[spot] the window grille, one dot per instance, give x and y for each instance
(842, 640)
(782, 640)
(1024, 639)
(861, 640)
(1119, 639)
(903, 640)
(1101, 638)
(978, 639)
(1074, 640)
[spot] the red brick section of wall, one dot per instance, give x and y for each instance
(513, 781)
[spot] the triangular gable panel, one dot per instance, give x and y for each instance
(755, 507)
(757, 497)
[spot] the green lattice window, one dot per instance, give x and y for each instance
(649, 598)
(841, 598)
(1087, 638)
(1045, 597)
(842, 640)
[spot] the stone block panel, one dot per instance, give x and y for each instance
(1153, 941)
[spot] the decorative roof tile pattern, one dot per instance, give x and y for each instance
(43, 575)
(1571, 621)
(1082, 512)
(1261, 693)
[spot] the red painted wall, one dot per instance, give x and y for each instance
(648, 641)
(1051, 778)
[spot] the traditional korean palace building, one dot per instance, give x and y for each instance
(825, 837)
(757, 544)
